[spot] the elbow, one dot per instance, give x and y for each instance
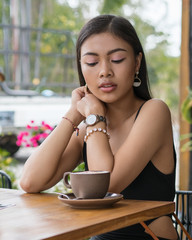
(28, 186)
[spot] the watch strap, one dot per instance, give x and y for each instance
(101, 118)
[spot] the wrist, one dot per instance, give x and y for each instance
(75, 128)
(97, 125)
(74, 116)
(94, 130)
(93, 119)
(96, 112)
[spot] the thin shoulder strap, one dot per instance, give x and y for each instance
(139, 111)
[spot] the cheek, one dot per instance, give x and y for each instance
(125, 72)
(88, 73)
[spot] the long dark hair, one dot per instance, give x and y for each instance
(123, 29)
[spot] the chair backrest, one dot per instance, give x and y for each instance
(5, 181)
(183, 210)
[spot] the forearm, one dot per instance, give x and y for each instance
(43, 165)
(99, 154)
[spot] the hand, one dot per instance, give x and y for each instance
(89, 104)
(77, 95)
(73, 113)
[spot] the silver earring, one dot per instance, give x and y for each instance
(137, 80)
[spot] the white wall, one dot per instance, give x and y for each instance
(38, 109)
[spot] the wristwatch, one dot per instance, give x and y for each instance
(92, 119)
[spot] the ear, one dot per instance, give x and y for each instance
(138, 61)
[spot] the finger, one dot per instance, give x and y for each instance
(78, 93)
(81, 91)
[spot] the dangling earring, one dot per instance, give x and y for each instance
(137, 80)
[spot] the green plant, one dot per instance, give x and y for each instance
(186, 107)
(80, 167)
(186, 110)
(7, 164)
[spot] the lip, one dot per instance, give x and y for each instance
(107, 87)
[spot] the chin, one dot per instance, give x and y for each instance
(108, 100)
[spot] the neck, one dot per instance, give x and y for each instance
(119, 112)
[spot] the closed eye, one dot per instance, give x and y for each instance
(91, 64)
(118, 61)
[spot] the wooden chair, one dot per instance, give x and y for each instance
(183, 214)
(5, 181)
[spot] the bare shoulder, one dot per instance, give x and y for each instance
(155, 111)
(157, 106)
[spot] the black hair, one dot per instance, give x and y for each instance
(123, 29)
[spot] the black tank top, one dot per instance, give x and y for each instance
(151, 184)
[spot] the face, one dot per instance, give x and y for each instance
(109, 65)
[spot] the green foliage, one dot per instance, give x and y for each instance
(164, 76)
(186, 107)
(163, 69)
(187, 146)
(80, 167)
(62, 68)
(111, 6)
(186, 110)
(59, 73)
(6, 164)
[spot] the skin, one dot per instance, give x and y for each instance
(108, 65)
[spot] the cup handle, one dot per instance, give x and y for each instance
(65, 179)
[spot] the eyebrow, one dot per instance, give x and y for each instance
(108, 53)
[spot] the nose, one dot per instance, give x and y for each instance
(106, 70)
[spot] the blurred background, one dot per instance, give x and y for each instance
(37, 46)
(37, 57)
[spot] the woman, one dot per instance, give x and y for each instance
(115, 102)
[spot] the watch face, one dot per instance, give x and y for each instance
(91, 119)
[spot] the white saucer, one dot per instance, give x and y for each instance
(107, 201)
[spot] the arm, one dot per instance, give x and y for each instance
(45, 167)
(150, 138)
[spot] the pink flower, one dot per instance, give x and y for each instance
(36, 128)
(44, 135)
(25, 133)
(19, 137)
(35, 144)
(19, 143)
(47, 126)
(35, 134)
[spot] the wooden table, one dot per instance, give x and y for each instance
(43, 216)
